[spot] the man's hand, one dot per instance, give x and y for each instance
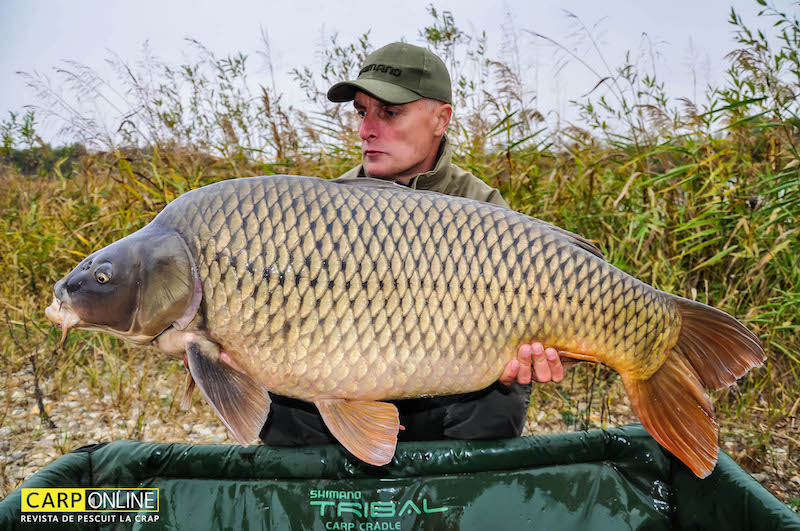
(546, 365)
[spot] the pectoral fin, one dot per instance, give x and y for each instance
(368, 429)
(241, 404)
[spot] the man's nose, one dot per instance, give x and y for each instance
(368, 127)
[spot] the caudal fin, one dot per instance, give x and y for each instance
(720, 348)
(713, 350)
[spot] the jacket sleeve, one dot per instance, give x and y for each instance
(496, 199)
(465, 184)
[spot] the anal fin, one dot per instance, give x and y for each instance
(241, 404)
(577, 356)
(368, 429)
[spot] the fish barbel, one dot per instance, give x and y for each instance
(348, 294)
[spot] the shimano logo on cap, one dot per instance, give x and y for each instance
(389, 69)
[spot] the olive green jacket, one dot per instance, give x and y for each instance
(447, 178)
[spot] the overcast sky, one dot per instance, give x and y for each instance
(691, 36)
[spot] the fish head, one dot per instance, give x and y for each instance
(134, 289)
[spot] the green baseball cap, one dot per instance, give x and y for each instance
(398, 73)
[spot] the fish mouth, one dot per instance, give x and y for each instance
(64, 317)
(62, 314)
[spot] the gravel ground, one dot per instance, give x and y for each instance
(146, 408)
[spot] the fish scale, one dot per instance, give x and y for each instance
(430, 286)
(348, 293)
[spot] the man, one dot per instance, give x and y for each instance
(403, 97)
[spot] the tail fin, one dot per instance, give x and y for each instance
(718, 346)
(713, 350)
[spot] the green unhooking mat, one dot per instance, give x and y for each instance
(601, 479)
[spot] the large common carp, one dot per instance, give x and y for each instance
(345, 295)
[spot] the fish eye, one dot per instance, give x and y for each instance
(102, 277)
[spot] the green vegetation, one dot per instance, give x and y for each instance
(701, 200)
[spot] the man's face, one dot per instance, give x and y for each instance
(400, 141)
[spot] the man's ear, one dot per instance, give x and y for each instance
(443, 115)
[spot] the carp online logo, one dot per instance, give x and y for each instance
(90, 500)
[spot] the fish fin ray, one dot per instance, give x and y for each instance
(368, 429)
(241, 404)
(188, 387)
(577, 356)
(719, 348)
(577, 239)
(675, 409)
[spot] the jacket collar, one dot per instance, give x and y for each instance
(440, 171)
